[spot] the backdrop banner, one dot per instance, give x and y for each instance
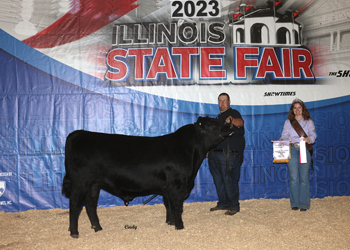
(148, 67)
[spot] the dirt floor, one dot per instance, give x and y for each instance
(261, 224)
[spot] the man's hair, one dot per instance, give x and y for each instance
(228, 97)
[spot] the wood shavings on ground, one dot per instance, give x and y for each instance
(261, 224)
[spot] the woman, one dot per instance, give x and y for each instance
(299, 186)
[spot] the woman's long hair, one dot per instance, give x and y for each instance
(305, 114)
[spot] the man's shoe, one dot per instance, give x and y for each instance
(216, 209)
(303, 209)
(231, 212)
(295, 208)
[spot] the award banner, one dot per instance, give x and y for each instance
(281, 151)
(302, 150)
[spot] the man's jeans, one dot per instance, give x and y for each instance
(227, 190)
(299, 186)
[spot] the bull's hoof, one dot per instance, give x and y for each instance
(75, 236)
(96, 228)
(179, 227)
(171, 223)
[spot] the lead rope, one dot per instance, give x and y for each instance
(149, 199)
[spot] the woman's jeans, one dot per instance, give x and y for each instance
(227, 189)
(299, 186)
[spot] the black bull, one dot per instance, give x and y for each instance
(132, 166)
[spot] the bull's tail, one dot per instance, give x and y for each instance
(67, 182)
(67, 186)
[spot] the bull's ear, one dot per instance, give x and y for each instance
(198, 122)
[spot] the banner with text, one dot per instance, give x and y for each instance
(148, 67)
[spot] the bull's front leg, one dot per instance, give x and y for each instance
(169, 215)
(176, 207)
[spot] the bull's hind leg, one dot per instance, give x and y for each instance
(169, 215)
(75, 207)
(91, 207)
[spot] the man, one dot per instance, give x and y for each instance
(226, 159)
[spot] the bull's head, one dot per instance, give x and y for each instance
(212, 126)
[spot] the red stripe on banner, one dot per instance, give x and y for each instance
(295, 14)
(91, 16)
(277, 3)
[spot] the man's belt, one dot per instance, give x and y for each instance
(224, 150)
(296, 145)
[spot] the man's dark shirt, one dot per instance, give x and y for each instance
(237, 140)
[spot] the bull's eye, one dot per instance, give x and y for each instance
(200, 124)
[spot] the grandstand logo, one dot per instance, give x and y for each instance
(340, 73)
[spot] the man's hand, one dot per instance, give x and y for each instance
(229, 120)
(238, 122)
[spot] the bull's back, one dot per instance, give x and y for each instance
(85, 148)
